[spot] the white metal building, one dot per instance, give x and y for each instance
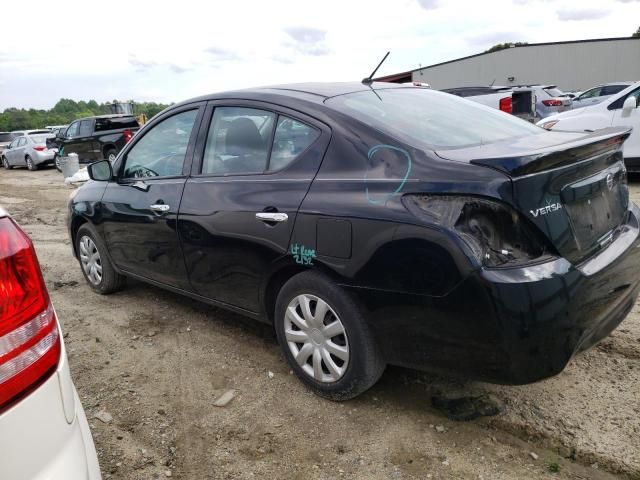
(574, 65)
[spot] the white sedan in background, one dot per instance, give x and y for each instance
(44, 434)
(619, 110)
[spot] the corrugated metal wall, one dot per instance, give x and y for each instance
(571, 66)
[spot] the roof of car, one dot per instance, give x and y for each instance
(109, 115)
(313, 91)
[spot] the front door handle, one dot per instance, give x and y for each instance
(159, 207)
(272, 217)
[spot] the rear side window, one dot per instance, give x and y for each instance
(613, 89)
(238, 141)
(115, 123)
(291, 139)
(162, 150)
(22, 141)
(85, 128)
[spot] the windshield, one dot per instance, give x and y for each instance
(422, 117)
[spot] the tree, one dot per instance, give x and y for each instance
(65, 111)
(504, 46)
(637, 34)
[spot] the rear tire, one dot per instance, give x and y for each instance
(30, 165)
(56, 162)
(94, 262)
(338, 357)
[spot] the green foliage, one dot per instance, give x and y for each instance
(554, 467)
(64, 112)
(504, 46)
(637, 34)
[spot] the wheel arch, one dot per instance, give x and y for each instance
(76, 222)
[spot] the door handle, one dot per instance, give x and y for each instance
(272, 217)
(159, 207)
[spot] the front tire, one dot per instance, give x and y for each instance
(96, 267)
(5, 163)
(325, 337)
(30, 165)
(110, 154)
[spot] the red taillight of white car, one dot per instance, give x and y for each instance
(552, 103)
(29, 338)
(506, 105)
(39, 148)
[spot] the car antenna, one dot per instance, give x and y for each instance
(369, 80)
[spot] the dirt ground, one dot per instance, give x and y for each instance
(156, 362)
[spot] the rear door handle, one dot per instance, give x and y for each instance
(272, 217)
(160, 207)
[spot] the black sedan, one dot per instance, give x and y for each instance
(373, 225)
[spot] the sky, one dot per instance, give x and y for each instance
(170, 51)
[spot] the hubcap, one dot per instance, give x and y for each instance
(316, 338)
(112, 157)
(90, 259)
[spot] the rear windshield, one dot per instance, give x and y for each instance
(554, 92)
(7, 137)
(103, 124)
(422, 117)
(40, 138)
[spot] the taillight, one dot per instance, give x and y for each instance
(506, 105)
(39, 148)
(128, 135)
(552, 103)
(29, 339)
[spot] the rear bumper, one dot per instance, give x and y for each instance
(516, 325)
(46, 436)
(43, 158)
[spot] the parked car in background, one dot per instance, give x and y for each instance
(549, 99)
(30, 151)
(44, 433)
(371, 225)
(96, 138)
(618, 110)
(598, 94)
(520, 103)
(5, 140)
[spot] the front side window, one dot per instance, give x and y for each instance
(238, 141)
(423, 117)
(162, 150)
(594, 92)
(291, 139)
(85, 128)
(72, 131)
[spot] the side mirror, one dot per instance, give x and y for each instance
(629, 104)
(100, 171)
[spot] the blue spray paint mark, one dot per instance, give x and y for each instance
(387, 196)
(302, 255)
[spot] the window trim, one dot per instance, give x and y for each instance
(278, 110)
(145, 129)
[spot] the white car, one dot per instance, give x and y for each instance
(619, 110)
(44, 434)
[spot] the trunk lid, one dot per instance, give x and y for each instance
(572, 186)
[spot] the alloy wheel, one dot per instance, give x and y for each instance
(90, 260)
(316, 338)
(111, 157)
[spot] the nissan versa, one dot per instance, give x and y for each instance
(373, 225)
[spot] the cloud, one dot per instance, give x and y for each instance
(283, 59)
(567, 14)
(429, 4)
(308, 41)
(141, 65)
(217, 54)
(178, 69)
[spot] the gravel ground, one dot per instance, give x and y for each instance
(152, 364)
